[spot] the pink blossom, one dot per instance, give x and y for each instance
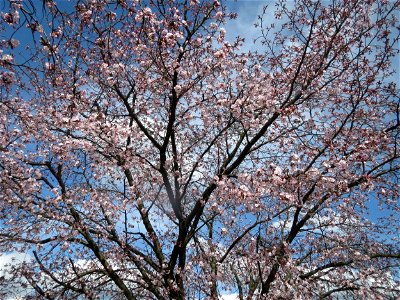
(144, 156)
(7, 59)
(11, 18)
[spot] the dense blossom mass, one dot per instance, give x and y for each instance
(143, 155)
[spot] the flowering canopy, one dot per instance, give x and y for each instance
(144, 156)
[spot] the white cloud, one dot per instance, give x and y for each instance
(13, 258)
(6, 263)
(229, 297)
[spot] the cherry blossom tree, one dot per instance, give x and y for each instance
(145, 156)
